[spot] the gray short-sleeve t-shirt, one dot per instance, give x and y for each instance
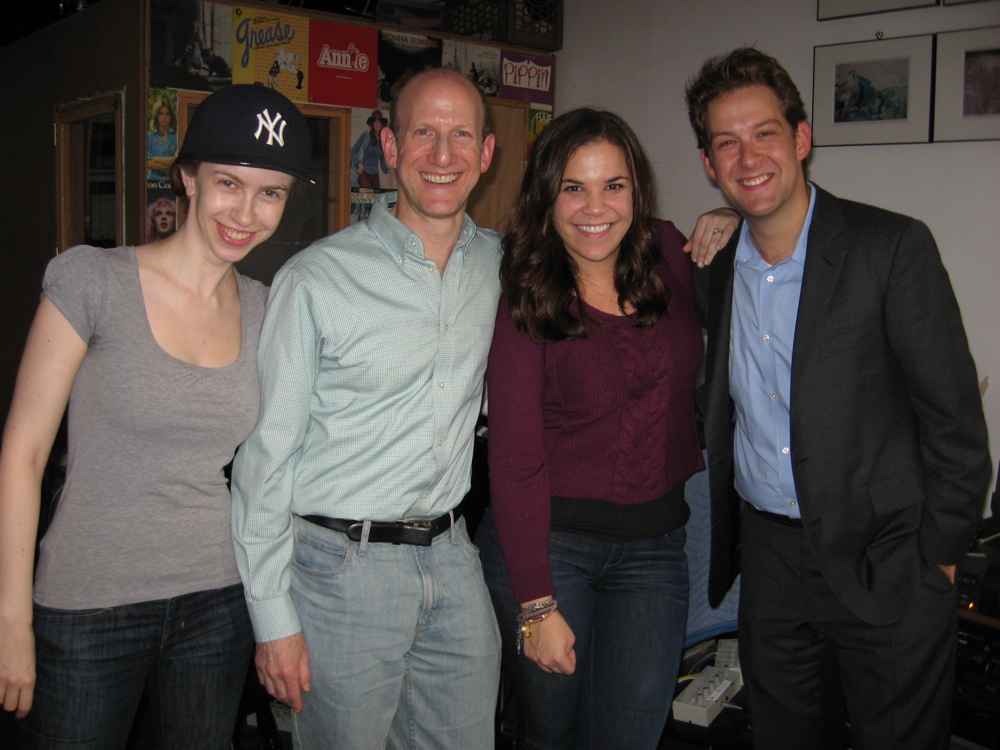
(146, 512)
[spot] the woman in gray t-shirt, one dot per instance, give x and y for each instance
(154, 349)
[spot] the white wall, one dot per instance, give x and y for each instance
(635, 56)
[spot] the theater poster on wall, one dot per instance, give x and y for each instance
(370, 174)
(363, 200)
(526, 77)
(368, 166)
(272, 49)
(402, 55)
(538, 119)
(161, 136)
(479, 64)
(190, 45)
(161, 213)
(343, 64)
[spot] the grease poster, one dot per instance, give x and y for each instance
(273, 49)
(343, 64)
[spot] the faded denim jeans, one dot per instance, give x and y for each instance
(403, 643)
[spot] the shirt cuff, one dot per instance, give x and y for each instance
(274, 618)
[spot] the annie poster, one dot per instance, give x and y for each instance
(343, 64)
(273, 49)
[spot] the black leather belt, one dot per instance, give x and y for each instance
(776, 517)
(420, 533)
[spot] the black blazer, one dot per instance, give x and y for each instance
(889, 447)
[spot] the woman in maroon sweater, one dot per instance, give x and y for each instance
(592, 434)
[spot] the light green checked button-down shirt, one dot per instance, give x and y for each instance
(371, 369)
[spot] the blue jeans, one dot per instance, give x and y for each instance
(191, 652)
(403, 644)
(627, 605)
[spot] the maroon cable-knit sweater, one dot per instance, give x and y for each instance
(610, 417)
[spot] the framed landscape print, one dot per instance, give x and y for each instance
(872, 92)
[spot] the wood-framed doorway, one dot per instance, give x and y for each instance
(90, 166)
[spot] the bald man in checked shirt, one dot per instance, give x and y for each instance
(367, 598)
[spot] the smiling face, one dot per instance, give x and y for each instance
(439, 152)
(594, 208)
(233, 208)
(756, 156)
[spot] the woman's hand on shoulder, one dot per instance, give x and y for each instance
(711, 234)
(551, 645)
(17, 668)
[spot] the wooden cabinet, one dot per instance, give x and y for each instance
(495, 193)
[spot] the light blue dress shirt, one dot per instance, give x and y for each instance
(765, 308)
(371, 368)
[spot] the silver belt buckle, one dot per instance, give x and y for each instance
(418, 523)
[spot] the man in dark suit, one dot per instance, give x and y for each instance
(858, 445)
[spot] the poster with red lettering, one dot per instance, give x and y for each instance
(343, 64)
(270, 48)
(526, 77)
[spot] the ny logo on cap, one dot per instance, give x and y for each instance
(275, 128)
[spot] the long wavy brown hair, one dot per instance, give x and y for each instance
(537, 274)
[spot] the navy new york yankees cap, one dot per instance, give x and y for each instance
(250, 125)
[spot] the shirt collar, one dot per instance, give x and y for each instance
(398, 238)
(747, 254)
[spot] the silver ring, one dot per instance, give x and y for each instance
(717, 230)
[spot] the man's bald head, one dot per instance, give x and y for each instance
(403, 102)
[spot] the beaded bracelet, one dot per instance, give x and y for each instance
(532, 614)
(536, 606)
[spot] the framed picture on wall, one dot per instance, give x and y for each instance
(872, 92)
(826, 9)
(967, 89)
